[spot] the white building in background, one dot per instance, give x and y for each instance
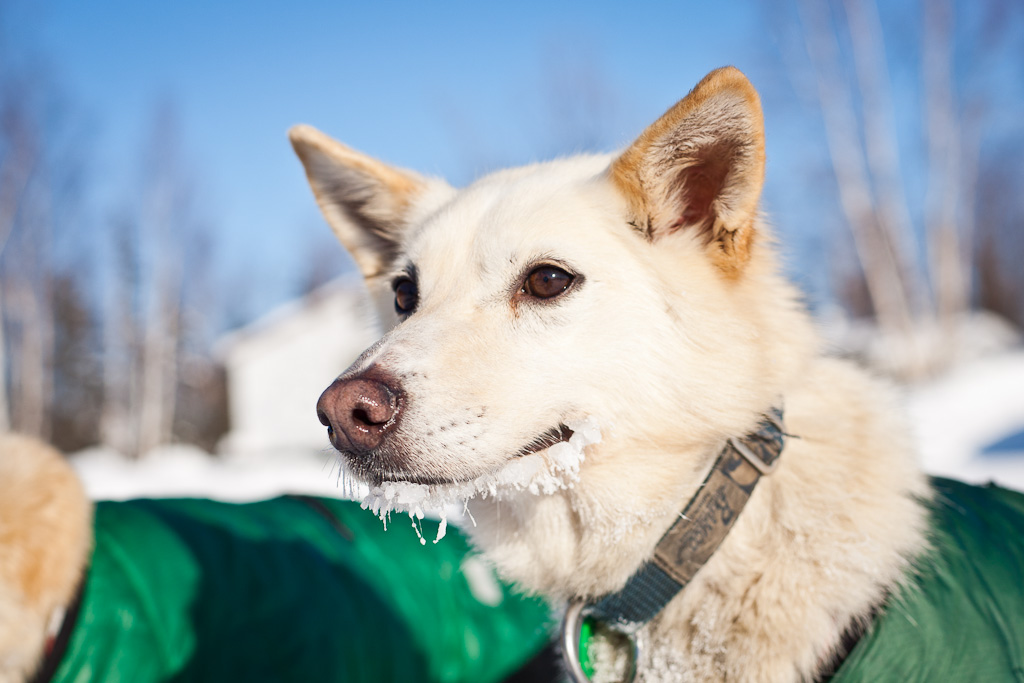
(278, 366)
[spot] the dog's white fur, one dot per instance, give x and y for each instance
(678, 333)
(45, 539)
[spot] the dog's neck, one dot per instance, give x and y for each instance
(699, 530)
(820, 543)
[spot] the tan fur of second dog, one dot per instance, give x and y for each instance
(45, 538)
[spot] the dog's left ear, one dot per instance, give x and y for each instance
(700, 168)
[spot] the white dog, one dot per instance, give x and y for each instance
(574, 345)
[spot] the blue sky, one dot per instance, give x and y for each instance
(446, 88)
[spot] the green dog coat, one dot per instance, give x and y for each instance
(290, 589)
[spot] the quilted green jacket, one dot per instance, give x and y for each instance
(960, 618)
(290, 589)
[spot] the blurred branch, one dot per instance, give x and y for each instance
(881, 146)
(949, 263)
(147, 327)
(879, 254)
(15, 170)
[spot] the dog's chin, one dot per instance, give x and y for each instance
(375, 476)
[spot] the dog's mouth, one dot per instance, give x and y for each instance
(547, 464)
(543, 441)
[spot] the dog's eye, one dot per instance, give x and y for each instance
(406, 296)
(546, 282)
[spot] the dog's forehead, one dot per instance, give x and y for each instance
(514, 215)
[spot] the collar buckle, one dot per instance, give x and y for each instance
(755, 460)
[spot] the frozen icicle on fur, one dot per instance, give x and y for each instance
(442, 528)
(542, 473)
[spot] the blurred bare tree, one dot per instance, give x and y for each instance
(1000, 238)
(918, 275)
(101, 340)
(41, 170)
(143, 317)
(156, 304)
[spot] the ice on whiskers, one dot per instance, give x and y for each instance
(542, 473)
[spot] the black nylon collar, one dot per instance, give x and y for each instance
(698, 531)
(56, 649)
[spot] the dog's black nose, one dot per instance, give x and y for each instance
(360, 411)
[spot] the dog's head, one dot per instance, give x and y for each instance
(617, 288)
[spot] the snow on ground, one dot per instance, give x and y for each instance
(184, 471)
(969, 423)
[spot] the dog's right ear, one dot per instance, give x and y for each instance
(365, 201)
(699, 169)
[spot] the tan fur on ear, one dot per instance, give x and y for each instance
(364, 200)
(701, 167)
(45, 540)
